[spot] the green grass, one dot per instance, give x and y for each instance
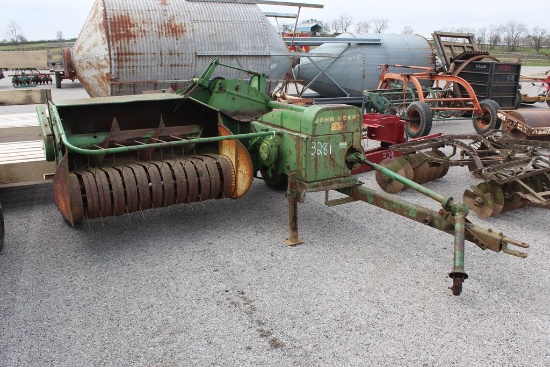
(30, 46)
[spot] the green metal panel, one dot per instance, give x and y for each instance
(330, 119)
(323, 157)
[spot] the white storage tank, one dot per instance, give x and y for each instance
(357, 69)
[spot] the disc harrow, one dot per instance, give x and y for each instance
(515, 172)
(113, 191)
(420, 167)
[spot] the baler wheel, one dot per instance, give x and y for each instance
(180, 182)
(227, 172)
(214, 175)
(167, 183)
(275, 180)
(91, 195)
(144, 194)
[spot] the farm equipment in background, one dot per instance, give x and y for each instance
(515, 173)
(526, 124)
(24, 78)
(124, 154)
(488, 77)
(448, 97)
(21, 152)
(537, 85)
(383, 130)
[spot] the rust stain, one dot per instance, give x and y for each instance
(122, 27)
(174, 29)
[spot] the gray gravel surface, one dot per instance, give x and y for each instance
(212, 284)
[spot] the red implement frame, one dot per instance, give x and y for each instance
(388, 130)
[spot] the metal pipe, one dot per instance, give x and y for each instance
(458, 248)
(133, 148)
(458, 274)
(446, 201)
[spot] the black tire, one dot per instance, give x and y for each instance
(497, 108)
(419, 120)
(58, 80)
(1, 228)
(488, 119)
(275, 180)
(518, 100)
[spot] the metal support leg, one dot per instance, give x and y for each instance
(458, 274)
(292, 195)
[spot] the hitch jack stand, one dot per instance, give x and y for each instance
(293, 194)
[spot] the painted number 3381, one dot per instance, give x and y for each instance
(320, 148)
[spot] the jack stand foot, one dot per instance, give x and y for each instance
(293, 242)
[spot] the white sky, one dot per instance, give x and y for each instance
(42, 19)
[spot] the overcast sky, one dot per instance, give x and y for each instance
(42, 19)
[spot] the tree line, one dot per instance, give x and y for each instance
(511, 35)
(14, 34)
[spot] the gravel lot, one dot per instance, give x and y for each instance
(214, 284)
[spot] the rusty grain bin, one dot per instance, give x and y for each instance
(356, 69)
(127, 47)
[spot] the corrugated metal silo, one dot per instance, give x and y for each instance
(126, 47)
(356, 69)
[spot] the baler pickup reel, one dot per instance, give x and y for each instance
(119, 155)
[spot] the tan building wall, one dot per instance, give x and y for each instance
(24, 59)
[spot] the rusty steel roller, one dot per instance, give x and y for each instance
(113, 191)
(528, 124)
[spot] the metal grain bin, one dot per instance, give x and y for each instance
(356, 69)
(126, 47)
